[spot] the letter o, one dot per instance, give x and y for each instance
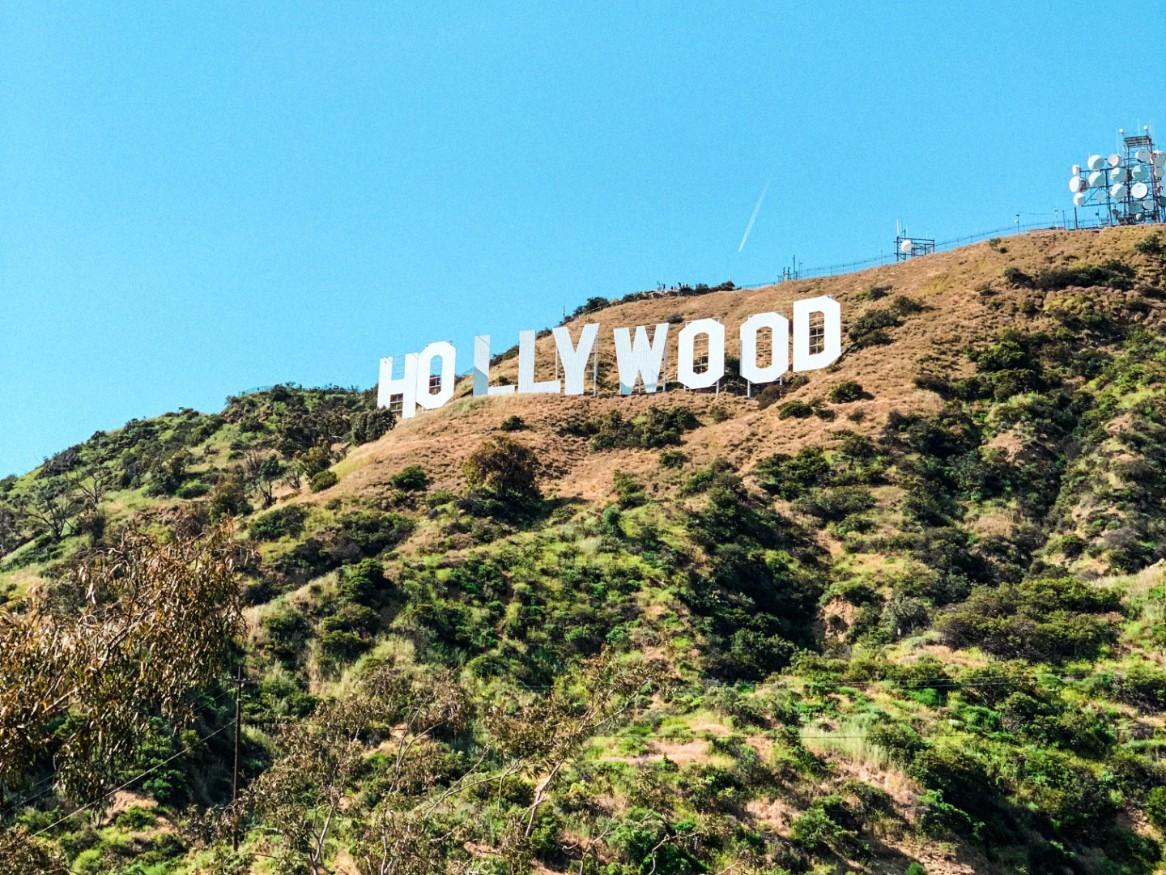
(779, 364)
(685, 353)
(444, 350)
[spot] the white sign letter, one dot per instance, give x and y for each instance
(405, 386)
(426, 397)
(574, 358)
(526, 383)
(778, 327)
(830, 346)
(482, 369)
(640, 359)
(686, 351)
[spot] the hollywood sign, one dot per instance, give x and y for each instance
(429, 376)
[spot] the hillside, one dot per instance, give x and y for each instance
(904, 615)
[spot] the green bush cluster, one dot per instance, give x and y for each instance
(657, 427)
(1051, 619)
(1112, 274)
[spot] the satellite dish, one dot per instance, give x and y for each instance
(1114, 159)
(1141, 172)
(1077, 184)
(1079, 199)
(1095, 162)
(1076, 170)
(1159, 159)
(1143, 155)
(1137, 207)
(1096, 179)
(1117, 192)
(1162, 200)
(1139, 190)
(905, 247)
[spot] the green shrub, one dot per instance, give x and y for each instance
(1049, 619)
(795, 410)
(410, 479)
(364, 583)
(135, 818)
(340, 645)
(835, 503)
(504, 469)
(286, 634)
(229, 498)
(818, 828)
(1156, 807)
(904, 614)
(348, 632)
(719, 471)
(1151, 244)
(846, 391)
(903, 306)
(672, 459)
(774, 392)
(193, 489)
(513, 423)
(1112, 274)
(869, 329)
(629, 492)
(1143, 685)
(657, 427)
(323, 480)
(789, 476)
(720, 413)
(370, 532)
(279, 523)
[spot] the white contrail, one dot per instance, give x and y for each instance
(753, 218)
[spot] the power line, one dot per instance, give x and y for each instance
(35, 792)
(133, 780)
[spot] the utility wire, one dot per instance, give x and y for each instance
(133, 780)
(35, 791)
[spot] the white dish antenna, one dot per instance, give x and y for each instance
(1096, 179)
(1076, 170)
(1114, 159)
(1077, 184)
(1095, 162)
(1143, 155)
(1139, 190)
(1159, 159)
(905, 247)
(1079, 199)
(1141, 173)
(1117, 192)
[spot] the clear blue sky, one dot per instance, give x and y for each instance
(201, 198)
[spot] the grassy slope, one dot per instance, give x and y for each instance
(906, 730)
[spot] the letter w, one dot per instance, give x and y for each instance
(641, 359)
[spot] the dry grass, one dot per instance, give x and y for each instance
(958, 316)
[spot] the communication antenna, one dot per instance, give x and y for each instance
(1126, 185)
(910, 247)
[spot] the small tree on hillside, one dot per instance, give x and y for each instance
(504, 469)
